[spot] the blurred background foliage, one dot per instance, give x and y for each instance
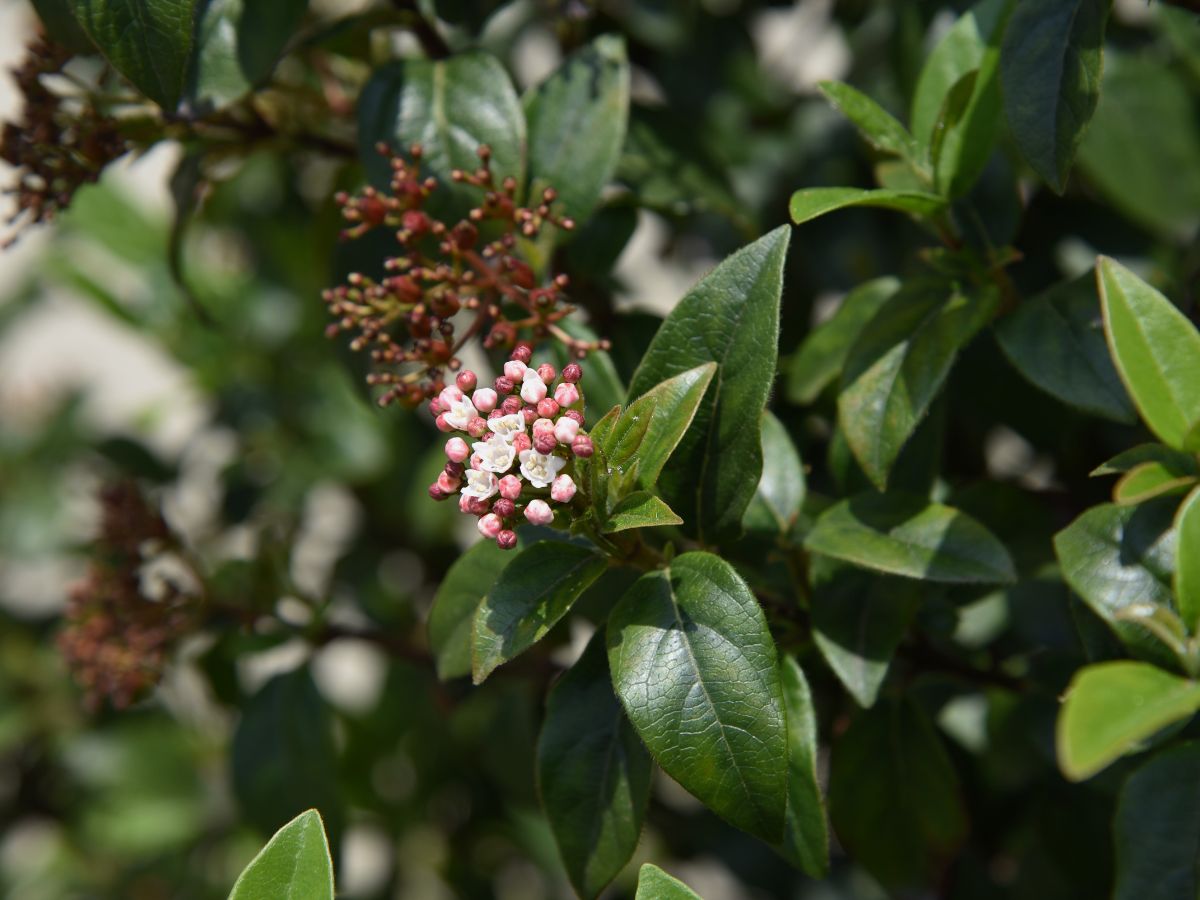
(188, 353)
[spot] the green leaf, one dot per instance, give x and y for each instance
(858, 621)
(655, 884)
(1187, 561)
(1156, 829)
(731, 318)
(877, 126)
(1112, 707)
(450, 107)
(806, 836)
(1143, 453)
(452, 617)
(897, 366)
(906, 535)
(780, 492)
(60, 25)
(894, 797)
(1119, 559)
(1150, 480)
(641, 509)
(1056, 340)
(819, 360)
(147, 41)
(295, 863)
(577, 119)
(533, 592)
(1050, 68)
(810, 203)
(237, 46)
(593, 774)
(1157, 351)
(695, 667)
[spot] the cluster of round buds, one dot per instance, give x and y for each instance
(450, 281)
(512, 453)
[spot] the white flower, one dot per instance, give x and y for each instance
(533, 389)
(507, 427)
(461, 412)
(495, 455)
(480, 484)
(538, 468)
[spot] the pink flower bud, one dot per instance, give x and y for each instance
(477, 507)
(538, 512)
(514, 370)
(566, 394)
(466, 381)
(548, 409)
(484, 400)
(442, 424)
(476, 461)
(457, 449)
(546, 372)
(511, 405)
(582, 446)
(490, 525)
(522, 352)
(574, 414)
(504, 507)
(566, 430)
(572, 372)
(533, 390)
(542, 426)
(510, 487)
(530, 414)
(450, 395)
(464, 503)
(506, 539)
(435, 407)
(503, 386)
(454, 469)
(562, 489)
(545, 443)
(521, 441)
(477, 427)
(448, 483)
(436, 492)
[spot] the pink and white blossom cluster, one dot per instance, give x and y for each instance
(513, 447)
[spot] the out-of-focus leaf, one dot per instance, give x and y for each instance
(780, 492)
(294, 863)
(1150, 480)
(451, 620)
(1144, 453)
(877, 126)
(61, 26)
(811, 203)
(655, 884)
(1187, 561)
(806, 836)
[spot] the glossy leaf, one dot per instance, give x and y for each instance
(1112, 707)
(452, 617)
(811, 203)
(641, 509)
(1187, 561)
(1050, 66)
(906, 535)
(877, 126)
(295, 863)
(147, 41)
(694, 665)
(237, 46)
(806, 836)
(1056, 340)
(59, 22)
(1157, 351)
(593, 774)
(780, 492)
(1150, 480)
(819, 360)
(1144, 453)
(894, 797)
(655, 884)
(534, 591)
(897, 366)
(731, 318)
(1156, 829)
(576, 120)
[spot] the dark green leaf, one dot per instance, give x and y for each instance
(641, 509)
(731, 318)
(295, 863)
(1112, 707)
(655, 884)
(780, 492)
(452, 618)
(1056, 340)
(1143, 453)
(593, 774)
(811, 203)
(897, 366)
(806, 836)
(906, 535)
(577, 120)
(1187, 561)
(695, 667)
(60, 25)
(1150, 480)
(877, 126)
(894, 797)
(533, 592)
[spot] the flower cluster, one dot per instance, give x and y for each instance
(115, 639)
(522, 454)
(409, 320)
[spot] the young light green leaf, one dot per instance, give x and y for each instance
(1144, 453)
(237, 46)
(1110, 708)
(1156, 829)
(641, 509)
(806, 836)
(294, 865)
(731, 318)
(452, 617)
(1051, 62)
(877, 126)
(593, 773)
(780, 492)
(147, 41)
(1150, 480)
(1187, 561)
(1056, 340)
(812, 203)
(655, 884)
(906, 535)
(533, 592)
(577, 119)
(819, 360)
(1157, 352)
(894, 797)
(694, 665)
(897, 366)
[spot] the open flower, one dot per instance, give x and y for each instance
(459, 412)
(480, 484)
(495, 455)
(507, 427)
(540, 469)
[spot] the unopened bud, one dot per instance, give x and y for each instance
(448, 483)
(477, 426)
(566, 394)
(457, 449)
(547, 408)
(514, 370)
(504, 507)
(490, 525)
(466, 381)
(562, 489)
(442, 424)
(511, 405)
(538, 512)
(522, 442)
(546, 373)
(572, 372)
(574, 414)
(510, 485)
(522, 352)
(582, 446)
(436, 493)
(503, 386)
(506, 539)
(544, 443)
(531, 415)
(484, 399)
(566, 430)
